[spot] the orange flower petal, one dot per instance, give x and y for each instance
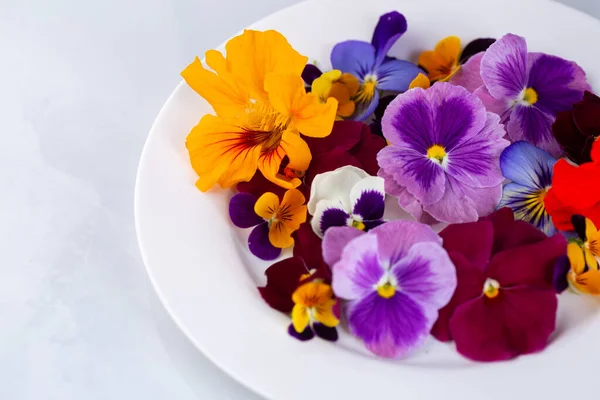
(269, 164)
(576, 258)
(421, 81)
(588, 282)
(441, 62)
(297, 151)
(314, 118)
(267, 206)
(228, 97)
(286, 92)
(351, 82)
(253, 54)
(280, 235)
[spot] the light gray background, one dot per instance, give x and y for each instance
(80, 84)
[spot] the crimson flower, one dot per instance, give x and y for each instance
(504, 304)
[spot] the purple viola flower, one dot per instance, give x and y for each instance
(347, 196)
(394, 280)
(443, 157)
(528, 89)
(370, 64)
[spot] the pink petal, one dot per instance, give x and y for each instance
(468, 76)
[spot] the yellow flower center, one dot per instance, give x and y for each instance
(386, 290)
(437, 153)
(529, 96)
(266, 126)
(366, 91)
(491, 288)
(358, 225)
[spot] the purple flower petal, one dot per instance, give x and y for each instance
(332, 217)
(396, 75)
(559, 83)
(395, 238)
(475, 162)
(528, 206)
(310, 73)
(533, 125)
(358, 269)
(259, 243)
(422, 177)
(497, 106)
(307, 334)
(469, 76)
(366, 109)
(370, 205)
(241, 211)
(355, 57)
(527, 165)
(562, 265)
(462, 203)
(504, 67)
(325, 332)
(406, 201)
(390, 328)
(427, 276)
(335, 240)
(408, 121)
(388, 30)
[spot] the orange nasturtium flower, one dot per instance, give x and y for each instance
(262, 107)
(443, 61)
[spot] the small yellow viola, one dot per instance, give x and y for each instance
(342, 87)
(584, 275)
(313, 302)
(283, 218)
(442, 62)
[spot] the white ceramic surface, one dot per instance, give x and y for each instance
(202, 271)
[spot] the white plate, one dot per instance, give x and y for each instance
(203, 272)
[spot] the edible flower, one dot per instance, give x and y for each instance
(313, 312)
(342, 87)
(347, 196)
(530, 170)
(262, 107)
(274, 221)
(528, 90)
(576, 129)
(394, 280)
(504, 304)
(575, 190)
(443, 157)
(370, 64)
(581, 272)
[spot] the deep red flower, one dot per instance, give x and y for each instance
(349, 143)
(575, 190)
(505, 303)
(285, 276)
(576, 129)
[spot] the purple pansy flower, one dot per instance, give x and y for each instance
(443, 157)
(528, 89)
(370, 64)
(394, 278)
(347, 196)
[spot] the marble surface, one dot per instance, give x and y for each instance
(80, 84)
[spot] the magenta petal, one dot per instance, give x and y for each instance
(395, 238)
(336, 238)
(259, 244)
(390, 328)
(473, 240)
(528, 265)
(533, 125)
(241, 211)
(518, 321)
(497, 106)
(469, 76)
(504, 67)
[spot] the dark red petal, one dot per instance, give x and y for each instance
(587, 118)
(366, 150)
(329, 162)
(259, 185)
(531, 264)
(473, 240)
(307, 246)
(343, 136)
(502, 220)
(568, 136)
(509, 233)
(470, 280)
(283, 278)
(589, 97)
(518, 321)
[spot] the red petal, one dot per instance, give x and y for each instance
(344, 136)
(560, 213)
(595, 153)
(528, 265)
(577, 187)
(259, 185)
(307, 246)
(283, 278)
(589, 97)
(366, 150)
(518, 321)
(329, 162)
(470, 280)
(473, 240)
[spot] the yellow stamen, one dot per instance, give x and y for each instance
(436, 152)
(491, 288)
(366, 91)
(386, 290)
(358, 225)
(530, 96)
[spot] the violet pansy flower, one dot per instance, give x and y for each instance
(394, 279)
(443, 157)
(370, 64)
(347, 196)
(528, 90)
